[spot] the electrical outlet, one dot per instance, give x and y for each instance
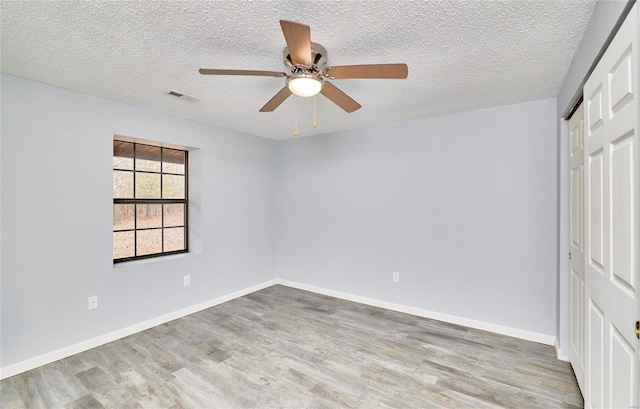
(93, 302)
(396, 277)
(187, 280)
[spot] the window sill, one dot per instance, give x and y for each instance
(133, 263)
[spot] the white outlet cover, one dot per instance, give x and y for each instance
(187, 280)
(93, 302)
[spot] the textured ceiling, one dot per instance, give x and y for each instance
(462, 55)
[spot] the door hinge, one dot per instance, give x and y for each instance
(569, 255)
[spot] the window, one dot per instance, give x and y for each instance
(150, 201)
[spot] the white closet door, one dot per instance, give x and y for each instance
(576, 242)
(612, 208)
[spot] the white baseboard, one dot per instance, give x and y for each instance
(47, 358)
(560, 353)
(82, 346)
(485, 326)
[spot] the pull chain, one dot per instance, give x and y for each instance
(295, 129)
(314, 112)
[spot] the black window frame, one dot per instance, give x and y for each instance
(145, 201)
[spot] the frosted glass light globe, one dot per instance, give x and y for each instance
(304, 85)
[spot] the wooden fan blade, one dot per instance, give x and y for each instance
(207, 71)
(339, 98)
(298, 38)
(276, 100)
(381, 71)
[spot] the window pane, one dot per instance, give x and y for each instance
(148, 158)
(122, 184)
(122, 163)
(172, 161)
(149, 242)
(123, 244)
(173, 215)
(123, 216)
(172, 187)
(149, 215)
(122, 155)
(147, 185)
(174, 239)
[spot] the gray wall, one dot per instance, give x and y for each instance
(463, 206)
(603, 20)
(56, 211)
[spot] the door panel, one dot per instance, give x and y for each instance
(621, 82)
(595, 110)
(622, 212)
(577, 323)
(596, 356)
(622, 370)
(596, 219)
(576, 243)
(611, 230)
(577, 206)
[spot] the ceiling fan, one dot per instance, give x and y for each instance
(309, 73)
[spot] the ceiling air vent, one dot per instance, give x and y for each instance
(183, 96)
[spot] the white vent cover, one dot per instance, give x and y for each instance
(183, 96)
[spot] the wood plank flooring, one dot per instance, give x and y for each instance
(287, 348)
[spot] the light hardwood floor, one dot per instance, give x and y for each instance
(286, 348)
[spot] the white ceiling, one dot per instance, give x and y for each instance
(462, 55)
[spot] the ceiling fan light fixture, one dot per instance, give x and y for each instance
(304, 85)
(307, 64)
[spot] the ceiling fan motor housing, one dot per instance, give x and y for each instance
(318, 57)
